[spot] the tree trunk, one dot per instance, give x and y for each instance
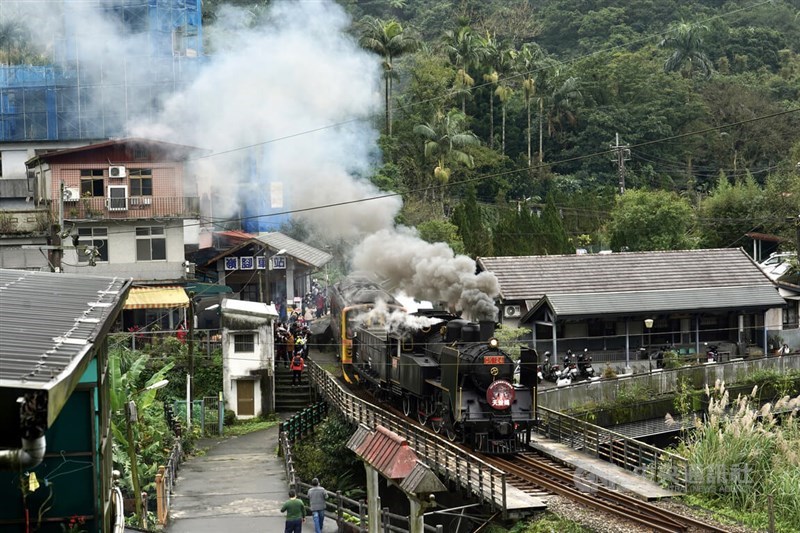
(387, 92)
(503, 151)
(491, 119)
(541, 112)
(528, 112)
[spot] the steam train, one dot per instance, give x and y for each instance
(451, 374)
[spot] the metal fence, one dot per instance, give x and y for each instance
(351, 515)
(165, 481)
(452, 463)
(666, 468)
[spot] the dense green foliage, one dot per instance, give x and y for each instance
(325, 455)
(705, 95)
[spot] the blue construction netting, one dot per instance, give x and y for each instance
(68, 100)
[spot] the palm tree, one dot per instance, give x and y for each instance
(561, 102)
(491, 52)
(465, 50)
(505, 66)
(387, 39)
(686, 42)
(445, 139)
(529, 61)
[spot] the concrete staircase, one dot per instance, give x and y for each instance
(289, 398)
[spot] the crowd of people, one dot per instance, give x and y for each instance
(291, 348)
(292, 332)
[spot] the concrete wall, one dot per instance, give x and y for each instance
(243, 365)
(662, 381)
(122, 253)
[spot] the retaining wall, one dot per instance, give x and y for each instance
(662, 381)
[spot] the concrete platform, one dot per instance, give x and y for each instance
(601, 472)
(519, 503)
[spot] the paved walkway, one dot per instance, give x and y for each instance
(239, 485)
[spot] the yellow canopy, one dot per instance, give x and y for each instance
(156, 298)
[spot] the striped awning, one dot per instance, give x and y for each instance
(156, 298)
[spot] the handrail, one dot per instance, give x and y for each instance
(485, 481)
(661, 466)
(165, 481)
(117, 503)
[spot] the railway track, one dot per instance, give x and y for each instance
(538, 475)
(531, 471)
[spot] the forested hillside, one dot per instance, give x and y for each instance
(512, 126)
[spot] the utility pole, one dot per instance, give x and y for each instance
(623, 154)
(55, 252)
(190, 375)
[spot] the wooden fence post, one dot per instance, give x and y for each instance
(161, 512)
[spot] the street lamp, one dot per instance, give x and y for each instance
(648, 323)
(131, 417)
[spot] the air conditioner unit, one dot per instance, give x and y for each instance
(72, 194)
(117, 172)
(511, 311)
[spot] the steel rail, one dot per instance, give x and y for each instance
(555, 485)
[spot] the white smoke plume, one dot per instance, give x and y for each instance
(291, 95)
(300, 92)
(428, 271)
(395, 320)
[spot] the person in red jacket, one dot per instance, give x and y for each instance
(297, 366)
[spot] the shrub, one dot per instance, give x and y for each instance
(230, 417)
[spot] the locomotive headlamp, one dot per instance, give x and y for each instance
(493, 343)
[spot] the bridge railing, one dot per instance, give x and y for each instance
(453, 464)
(663, 467)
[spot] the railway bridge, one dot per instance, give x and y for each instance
(454, 465)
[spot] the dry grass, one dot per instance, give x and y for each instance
(742, 453)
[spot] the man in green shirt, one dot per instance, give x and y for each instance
(295, 512)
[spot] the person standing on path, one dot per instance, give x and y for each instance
(316, 502)
(295, 511)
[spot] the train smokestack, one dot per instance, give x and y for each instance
(487, 329)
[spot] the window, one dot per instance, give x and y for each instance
(151, 244)
(250, 293)
(92, 183)
(97, 237)
(141, 182)
(244, 343)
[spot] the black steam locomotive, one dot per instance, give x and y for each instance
(450, 374)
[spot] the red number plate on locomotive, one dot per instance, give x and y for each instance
(493, 359)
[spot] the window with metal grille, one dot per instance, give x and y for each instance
(244, 343)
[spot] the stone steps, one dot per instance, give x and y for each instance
(290, 398)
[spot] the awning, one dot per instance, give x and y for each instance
(156, 298)
(207, 289)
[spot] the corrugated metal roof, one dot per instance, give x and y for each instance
(690, 300)
(532, 277)
(299, 250)
(277, 241)
(48, 324)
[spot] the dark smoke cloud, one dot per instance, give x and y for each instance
(428, 271)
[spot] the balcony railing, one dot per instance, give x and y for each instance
(132, 207)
